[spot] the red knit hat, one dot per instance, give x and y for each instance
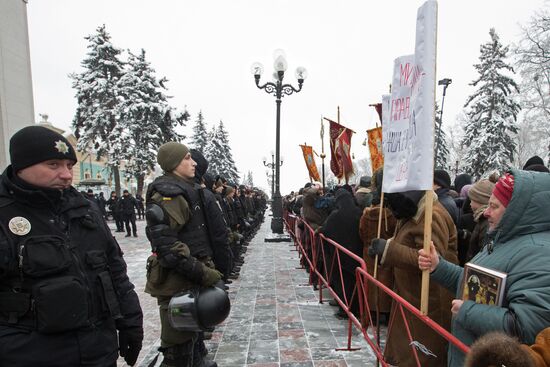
(504, 188)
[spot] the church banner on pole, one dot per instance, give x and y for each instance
(340, 148)
(375, 148)
(307, 151)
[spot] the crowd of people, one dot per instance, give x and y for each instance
(501, 223)
(65, 296)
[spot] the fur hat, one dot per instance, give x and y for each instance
(170, 155)
(442, 178)
(36, 144)
(481, 191)
(404, 205)
(498, 349)
(365, 181)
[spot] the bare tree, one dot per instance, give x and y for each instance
(533, 63)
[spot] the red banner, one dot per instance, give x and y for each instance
(310, 162)
(340, 148)
(378, 108)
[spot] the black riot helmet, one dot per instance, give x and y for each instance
(198, 309)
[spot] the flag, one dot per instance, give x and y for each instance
(340, 148)
(375, 148)
(307, 151)
(378, 108)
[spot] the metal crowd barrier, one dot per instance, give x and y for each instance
(322, 257)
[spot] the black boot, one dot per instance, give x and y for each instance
(180, 355)
(199, 352)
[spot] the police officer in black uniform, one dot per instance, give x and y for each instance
(64, 291)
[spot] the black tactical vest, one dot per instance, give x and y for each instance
(54, 272)
(194, 233)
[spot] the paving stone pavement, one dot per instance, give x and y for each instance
(276, 319)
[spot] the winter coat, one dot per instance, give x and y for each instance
(70, 292)
(448, 203)
(368, 230)
(402, 254)
(363, 196)
(114, 205)
(217, 231)
(297, 205)
(465, 227)
(520, 247)
(230, 210)
(477, 239)
(342, 226)
(127, 206)
(313, 216)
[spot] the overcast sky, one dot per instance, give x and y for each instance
(205, 49)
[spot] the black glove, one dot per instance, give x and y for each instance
(129, 344)
(161, 236)
(377, 247)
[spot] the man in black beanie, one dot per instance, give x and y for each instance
(64, 290)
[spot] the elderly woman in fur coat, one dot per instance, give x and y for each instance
(401, 253)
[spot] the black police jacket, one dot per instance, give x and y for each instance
(218, 232)
(60, 268)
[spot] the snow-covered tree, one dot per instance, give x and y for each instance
(96, 121)
(492, 113)
(199, 140)
(441, 150)
(533, 63)
(229, 164)
(213, 152)
(457, 150)
(218, 153)
(148, 119)
(249, 181)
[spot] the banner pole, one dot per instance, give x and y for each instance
(377, 293)
(378, 234)
(424, 296)
(323, 151)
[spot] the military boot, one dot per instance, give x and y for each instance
(180, 355)
(199, 352)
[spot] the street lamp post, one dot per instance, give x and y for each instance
(278, 89)
(272, 166)
(445, 83)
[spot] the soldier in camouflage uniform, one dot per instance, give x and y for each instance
(181, 258)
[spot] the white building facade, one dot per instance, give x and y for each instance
(16, 96)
